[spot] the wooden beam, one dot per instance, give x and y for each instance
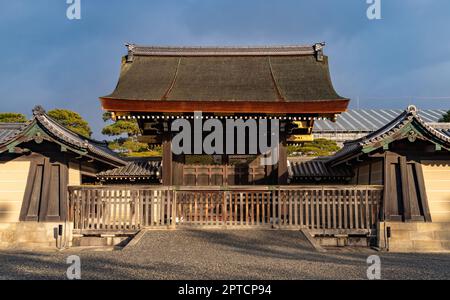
(259, 107)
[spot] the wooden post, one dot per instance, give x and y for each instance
(283, 175)
(407, 214)
(178, 162)
(390, 198)
(167, 159)
(423, 193)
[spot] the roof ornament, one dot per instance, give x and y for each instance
(412, 136)
(130, 48)
(38, 138)
(412, 109)
(318, 48)
(38, 110)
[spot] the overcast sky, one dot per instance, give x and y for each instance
(49, 60)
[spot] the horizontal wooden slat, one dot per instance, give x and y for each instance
(126, 208)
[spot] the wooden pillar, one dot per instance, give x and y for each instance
(283, 174)
(423, 193)
(45, 198)
(177, 170)
(414, 195)
(391, 193)
(167, 159)
(405, 189)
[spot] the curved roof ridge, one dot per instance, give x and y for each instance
(134, 49)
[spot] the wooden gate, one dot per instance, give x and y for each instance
(354, 208)
(224, 175)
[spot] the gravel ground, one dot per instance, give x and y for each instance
(192, 254)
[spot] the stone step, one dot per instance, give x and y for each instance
(420, 246)
(442, 235)
(405, 235)
(421, 227)
(424, 227)
(432, 245)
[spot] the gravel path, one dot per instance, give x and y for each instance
(192, 254)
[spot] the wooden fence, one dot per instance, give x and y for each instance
(134, 208)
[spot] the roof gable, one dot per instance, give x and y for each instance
(408, 125)
(42, 127)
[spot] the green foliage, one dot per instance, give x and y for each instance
(319, 147)
(445, 118)
(134, 146)
(150, 153)
(127, 146)
(72, 121)
(106, 116)
(12, 118)
(131, 148)
(121, 127)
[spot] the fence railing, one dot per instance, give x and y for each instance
(132, 208)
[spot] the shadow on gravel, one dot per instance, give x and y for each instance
(49, 266)
(292, 245)
(214, 254)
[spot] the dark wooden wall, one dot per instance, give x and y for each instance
(405, 194)
(45, 198)
(405, 197)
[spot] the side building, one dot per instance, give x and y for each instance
(411, 160)
(38, 161)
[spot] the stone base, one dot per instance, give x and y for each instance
(343, 241)
(34, 235)
(414, 237)
(100, 241)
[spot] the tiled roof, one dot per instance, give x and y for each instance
(139, 169)
(370, 120)
(8, 130)
(445, 131)
(295, 74)
(315, 169)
